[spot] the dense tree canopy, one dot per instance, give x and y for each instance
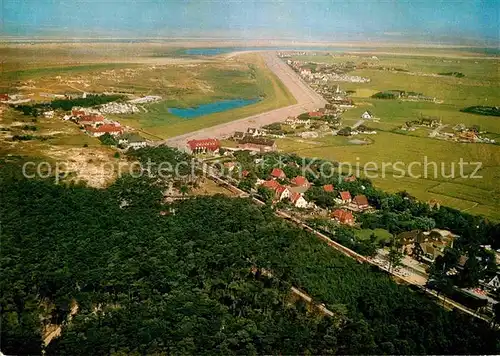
(177, 279)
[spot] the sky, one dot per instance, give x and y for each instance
(331, 20)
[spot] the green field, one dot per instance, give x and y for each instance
(480, 86)
(256, 80)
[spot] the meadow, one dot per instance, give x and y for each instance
(479, 86)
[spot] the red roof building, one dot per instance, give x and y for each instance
(91, 120)
(300, 181)
(245, 173)
(278, 173)
(315, 114)
(350, 179)
(345, 197)
(343, 216)
(205, 145)
(360, 202)
(271, 184)
(77, 113)
(4, 97)
(298, 200)
(104, 129)
(328, 188)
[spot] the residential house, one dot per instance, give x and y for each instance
(4, 97)
(360, 203)
(282, 192)
(98, 131)
(297, 199)
(367, 115)
(204, 145)
(345, 197)
(315, 114)
(132, 140)
(245, 173)
(350, 179)
(270, 184)
(494, 283)
(258, 144)
(229, 166)
(300, 181)
(278, 173)
(251, 131)
(238, 135)
(343, 216)
(328, 188)
(78, 113)
(48, 114)
(428, 245)
(91, 120)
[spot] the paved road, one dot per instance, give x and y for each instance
(307, 100)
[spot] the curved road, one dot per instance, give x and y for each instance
(307, 100)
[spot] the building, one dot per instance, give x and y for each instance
(281, 192)
(278, 173)
(78, 113)
(428, 245)
(360, 203)
(113, 130)
(350, 179)
(258, 144)
(48, 114)
(343, 217)
(132, 140)
(300, 181)
(238, 135)
(345, 197)
(328, 188)
(315, 114)
(4, 97)
(367, 115)
(298, 200)
(204, 145)
(251, 131)
(91, 120)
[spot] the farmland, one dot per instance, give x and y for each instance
(479, 86)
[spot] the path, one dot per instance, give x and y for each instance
(212, 173)
(307, 100)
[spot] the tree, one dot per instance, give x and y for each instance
(394, 257)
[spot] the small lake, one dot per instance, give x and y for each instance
(211, 108)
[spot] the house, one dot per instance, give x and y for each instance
(204, 145)
(343, 216)
(271, 184)
(328, 188)
(229, 166)
(91, 120)
(360, 203)
(78, 113)
(258, 144)
(238, 135)
(315, 114)
(278, 173)
(345, 197)
(132, 140)
(494, 284)
(281, 193)
(4, 97)
(298, 200)
(300, 181)
(254, 132)
(367, 115)
(350, 179)
(48, 114)
(245, 173)
(113, 130)
(428, 245)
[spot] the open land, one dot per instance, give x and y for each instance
(479, 86)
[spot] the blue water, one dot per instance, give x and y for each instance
(206, 109)
(222, 50)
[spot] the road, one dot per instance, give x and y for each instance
(307, 100)
(212, 173)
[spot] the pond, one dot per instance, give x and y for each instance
(211, 108)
